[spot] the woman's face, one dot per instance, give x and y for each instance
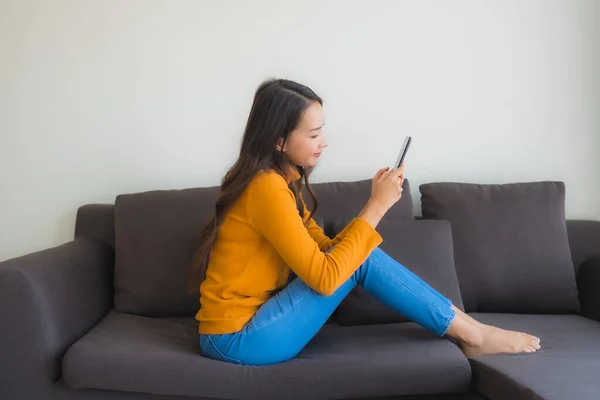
(305, 143)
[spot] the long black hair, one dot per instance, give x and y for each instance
(278, 107)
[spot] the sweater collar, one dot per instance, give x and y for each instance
(292, 175)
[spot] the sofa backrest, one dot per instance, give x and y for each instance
(155, 233)
(336, 200)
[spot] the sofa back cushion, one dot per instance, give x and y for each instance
(155, 237)
(344, 200)
(510, 244)
(425, 248)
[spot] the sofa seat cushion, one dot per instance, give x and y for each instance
(161, 356)
(566, 367)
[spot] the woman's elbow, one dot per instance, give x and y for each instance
(326, 289)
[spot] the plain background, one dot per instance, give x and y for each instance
(99, 98)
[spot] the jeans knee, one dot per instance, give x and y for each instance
(376, 251)
(359, 274)
(377, 254)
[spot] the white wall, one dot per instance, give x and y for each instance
(108, 97)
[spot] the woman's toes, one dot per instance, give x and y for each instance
(529, 349)
(534, 342)
(535, 339)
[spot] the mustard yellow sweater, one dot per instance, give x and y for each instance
(261, 238)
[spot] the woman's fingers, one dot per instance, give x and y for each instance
(381, 172)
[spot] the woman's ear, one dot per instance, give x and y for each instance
(279, 144)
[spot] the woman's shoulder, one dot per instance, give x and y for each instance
(267, 179)
(266, 187)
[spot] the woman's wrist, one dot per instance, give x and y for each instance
(373, 212)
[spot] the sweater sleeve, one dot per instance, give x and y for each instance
(316, 232)
(272, 212)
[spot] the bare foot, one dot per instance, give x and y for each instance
(495, 340)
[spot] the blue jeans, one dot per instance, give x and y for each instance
(290, 319)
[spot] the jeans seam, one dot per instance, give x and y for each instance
(447, 323)
(273, 318)
(214, 346)
(409, 288)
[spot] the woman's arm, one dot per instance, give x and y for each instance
(271, 207)
(316, 232)
(371, 213)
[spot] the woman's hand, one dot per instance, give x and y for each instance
(386, 187)
(386, 190)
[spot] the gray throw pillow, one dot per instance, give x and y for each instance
(511, 246)
(425, 248)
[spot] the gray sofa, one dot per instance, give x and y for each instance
(106, 316)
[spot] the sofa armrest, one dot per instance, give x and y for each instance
(48, 300)
(588, 282)
(584, 240)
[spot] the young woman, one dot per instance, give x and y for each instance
(262, 231)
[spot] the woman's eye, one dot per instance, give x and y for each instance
(314, 136)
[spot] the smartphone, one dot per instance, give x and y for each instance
(402, 153)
